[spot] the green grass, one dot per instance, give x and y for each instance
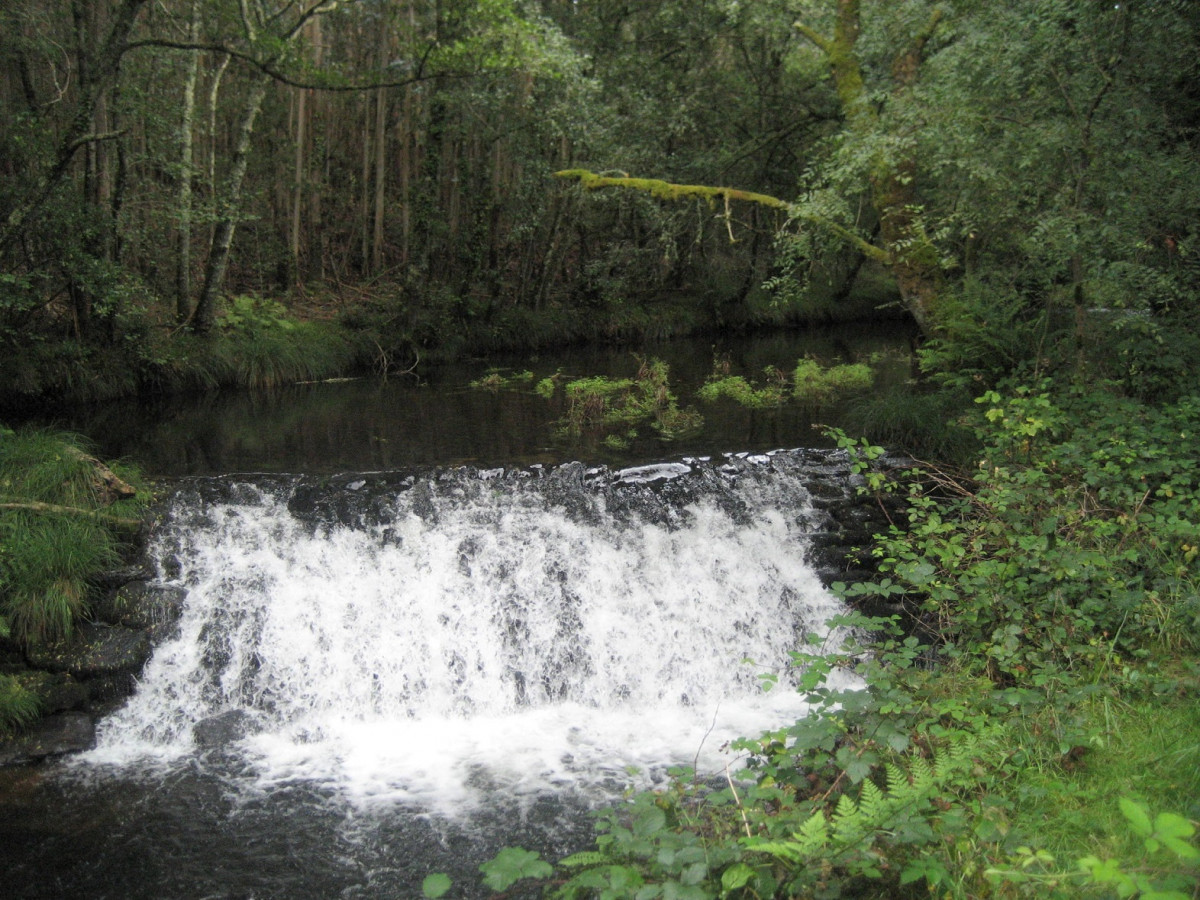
(19, 707)
(1145, 748)
(59, 527)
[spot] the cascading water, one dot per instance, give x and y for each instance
(437, 640)
(383, 675)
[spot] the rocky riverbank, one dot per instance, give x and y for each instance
(82, 678)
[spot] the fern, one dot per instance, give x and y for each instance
(585, 859)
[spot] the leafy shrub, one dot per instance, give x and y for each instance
(1071, 547)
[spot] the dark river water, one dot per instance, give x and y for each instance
(473, 635)
(436, 418)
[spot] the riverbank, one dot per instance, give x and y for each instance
(264, 342)
(1040, 737)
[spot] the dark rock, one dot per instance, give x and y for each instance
(114, 578)
(140, 604)
(108, 690)
(94, 650)
(68, 732)
(57, 691)
(219, 730)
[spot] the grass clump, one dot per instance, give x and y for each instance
(810, 383)
(63, 515)
(814, 384)
(19, 706)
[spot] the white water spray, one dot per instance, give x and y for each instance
(483, 634)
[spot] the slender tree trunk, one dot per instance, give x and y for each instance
(230, 201)
(380, 195)
(298, 179)
(183, 238)
(364, 220)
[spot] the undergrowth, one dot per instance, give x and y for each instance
(1028, 725)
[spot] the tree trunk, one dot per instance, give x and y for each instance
(218, 257)
(102, 70)
(183, 238)
(912, 256)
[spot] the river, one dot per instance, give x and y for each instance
(447, 629)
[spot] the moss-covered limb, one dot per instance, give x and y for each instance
(54, 509)
(666, 190)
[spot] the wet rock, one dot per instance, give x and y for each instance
(94, 650)
(68, 732)
(142, 605)
(57, 691)
(217, 731)
(115, 578)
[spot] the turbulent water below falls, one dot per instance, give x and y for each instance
(404, 662)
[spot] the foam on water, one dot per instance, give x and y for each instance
(483, 634)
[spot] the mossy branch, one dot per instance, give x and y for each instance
(666, 190)
(54, 509)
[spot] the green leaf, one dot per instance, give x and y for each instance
(584, 858)
(1137, 816)
(435, 885)
(512, 864)
(736, 876)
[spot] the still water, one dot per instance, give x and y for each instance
(436, 418)
(463, 641)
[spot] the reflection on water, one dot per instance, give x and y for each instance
(373, 424)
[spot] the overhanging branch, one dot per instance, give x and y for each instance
(666, 190)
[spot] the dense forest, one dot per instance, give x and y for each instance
(389, 167)
(198, 193)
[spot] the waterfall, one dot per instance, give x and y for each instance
(433, 638)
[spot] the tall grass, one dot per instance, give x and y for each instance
(57, 531)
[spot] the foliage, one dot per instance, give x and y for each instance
(1072, 547)
(1176, 877)
(811, 383)
(602, 404)
(58, 528)
(19, 706)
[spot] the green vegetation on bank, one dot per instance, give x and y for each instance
(64, 517)
(1029, 725)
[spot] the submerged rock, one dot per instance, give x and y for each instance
(217, 731)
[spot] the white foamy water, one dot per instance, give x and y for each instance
(481, 636)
